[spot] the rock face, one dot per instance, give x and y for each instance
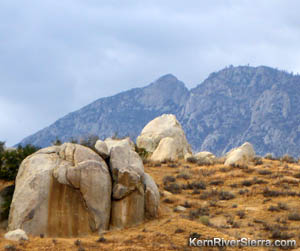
(16, 235)
(68, 191)
(232, 106)
(119, 142)
(102, 149)
(165, 138)
(241, 155)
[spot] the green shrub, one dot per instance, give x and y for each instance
(10, 160)
(142, 152)
(6, 194)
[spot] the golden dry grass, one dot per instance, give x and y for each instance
(265, 196)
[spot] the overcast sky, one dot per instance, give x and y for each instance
(57, 56)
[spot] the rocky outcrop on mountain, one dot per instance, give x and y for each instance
(240, 156)
(71, 191)
(237, 104)
(165, 138)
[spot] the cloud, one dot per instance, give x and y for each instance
(57, 56)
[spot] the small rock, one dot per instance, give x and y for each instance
(16, 235)
(179, 209)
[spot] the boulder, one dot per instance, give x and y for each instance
(151, 196)
(16, 235)
(205, 158)
(128, 188)
(201, 155)
(166, 150)
(71, 191)
(110, 142)
(164, 126)
(241, 155)
(102, 149)
(67, 190)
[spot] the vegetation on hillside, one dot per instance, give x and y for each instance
(10, 159)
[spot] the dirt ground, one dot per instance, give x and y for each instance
(258, 201)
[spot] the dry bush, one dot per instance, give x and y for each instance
(264, 172)
(288, 159)
(257, 160)
(216, 182)
(295, 216)
(191, 159)
(168, 179)
(173, 188)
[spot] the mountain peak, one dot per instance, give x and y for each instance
(167, 78)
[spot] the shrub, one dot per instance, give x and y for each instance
(173, 188)
(168, 179)
(294, 216)
(247, 183)
(288, 159)
(257, 161)
(183, 176)
(216, 182)
(264, 172)
(297, 175)
(273, 209)
(241, 214)
(271, 193)
(10, 160)
(195, 214)
(282, 206)
(204, 162)
(142, 152)
(225, 195)
(191, 160)
(6, 194)
(204, 220)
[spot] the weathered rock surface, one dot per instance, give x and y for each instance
(151, 196)
(167, 149)
(241, 155)
(70, 191)
(119, 142)
(102, 149)
(165, 138)
(67, 190)
(232, 106)
(16, 235)
(128, 188)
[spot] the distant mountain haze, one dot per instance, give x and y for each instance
(260, 105)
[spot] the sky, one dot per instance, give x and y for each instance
(57, 56)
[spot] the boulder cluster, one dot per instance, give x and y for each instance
(71, 190)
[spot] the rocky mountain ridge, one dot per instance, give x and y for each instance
(237, 104)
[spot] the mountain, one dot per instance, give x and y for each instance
(237, 104)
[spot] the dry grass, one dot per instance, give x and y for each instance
(225, 202)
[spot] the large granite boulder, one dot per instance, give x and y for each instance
(164, 126)
(241, 155)
(71, 191)
(62, 191)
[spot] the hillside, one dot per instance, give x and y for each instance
(258, 201)
(234, 105)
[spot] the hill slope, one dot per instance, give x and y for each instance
(236, 104)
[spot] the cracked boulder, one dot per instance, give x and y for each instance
(62, 191)
(165, 138)
(128, 204)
